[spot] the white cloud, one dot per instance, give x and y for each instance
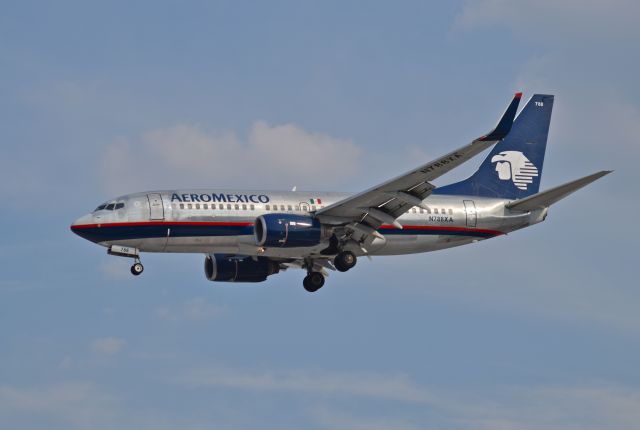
(78, 404)
(81, 404)
(107, 345)
(389, 387)
(561, 407)
(188, 156)
(554, 407)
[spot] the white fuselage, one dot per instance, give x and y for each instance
(221, 221)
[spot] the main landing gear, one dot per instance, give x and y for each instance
(345, 260)
(313, 281)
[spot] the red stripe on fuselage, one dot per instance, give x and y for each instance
(445, 228)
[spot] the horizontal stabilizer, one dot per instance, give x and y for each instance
(549, 197)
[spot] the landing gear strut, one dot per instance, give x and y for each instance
(137, 268)
(313, 281)
(126, 251)
(345, 261)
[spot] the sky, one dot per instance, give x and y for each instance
(537, 329)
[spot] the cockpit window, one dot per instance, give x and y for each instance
(109, 206)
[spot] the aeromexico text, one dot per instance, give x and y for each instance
(226, 198)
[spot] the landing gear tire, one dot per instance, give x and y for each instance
(345, 261)
(313, 282)
(137, 269)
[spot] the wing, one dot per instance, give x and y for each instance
(383, 204)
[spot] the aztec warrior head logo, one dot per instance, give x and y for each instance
(514, 166)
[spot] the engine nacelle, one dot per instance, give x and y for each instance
(238, 268)
(287, 231)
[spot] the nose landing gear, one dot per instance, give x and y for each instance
(126, 251)
(137, 268)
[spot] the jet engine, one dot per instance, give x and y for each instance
(238, 268)
(287, 231)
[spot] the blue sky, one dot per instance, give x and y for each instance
(539, 329)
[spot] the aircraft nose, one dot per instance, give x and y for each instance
(80, 225)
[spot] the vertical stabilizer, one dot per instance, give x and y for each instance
(513, 169)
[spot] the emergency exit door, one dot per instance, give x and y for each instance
(156, 209)
(472, 214)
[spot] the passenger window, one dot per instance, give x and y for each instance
(282, 208)
(443, 211)
(267, 207)
(435, 211)
(421, 210)
(197, 205)
(244, 207)
(205, 206)
(298, 208)
(313, 207)
(181, 205)
(220, 206)
(289, 207)
(414, 210)
(190, 206)
(252, 207)
(228, 206)
(237, 207)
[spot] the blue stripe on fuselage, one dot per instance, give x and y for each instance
(106, 232)
(124, 231)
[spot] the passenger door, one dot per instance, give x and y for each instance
(472, 214)
(156, 208)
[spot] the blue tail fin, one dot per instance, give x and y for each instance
(513, 169)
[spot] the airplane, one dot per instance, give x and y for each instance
(247, 236)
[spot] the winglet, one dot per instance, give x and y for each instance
(505, 123)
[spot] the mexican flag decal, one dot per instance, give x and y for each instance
(315, 201)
